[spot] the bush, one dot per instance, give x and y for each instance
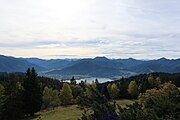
(155, 104)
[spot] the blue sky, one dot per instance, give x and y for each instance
(142, 29)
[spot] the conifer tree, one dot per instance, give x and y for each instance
(154, 82)
(32, 93)
(73, 80)
(13, 104)
(2, 100)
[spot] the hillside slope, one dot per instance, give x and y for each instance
(11, 64)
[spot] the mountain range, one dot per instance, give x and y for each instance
(96, 67)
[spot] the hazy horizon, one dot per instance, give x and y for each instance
(90, 58)
(88, 28)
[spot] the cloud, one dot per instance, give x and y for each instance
(117, 28)
(166, 50)
(64, 56)
(29, 44)
(51, 45)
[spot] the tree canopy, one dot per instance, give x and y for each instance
(133, 89)
(66, 94)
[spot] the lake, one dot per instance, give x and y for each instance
(90, 79)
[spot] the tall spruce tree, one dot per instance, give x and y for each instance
(32, 93)
(73, 80)
(2, 100)
(13, 104)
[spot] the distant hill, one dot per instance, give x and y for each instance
(90, 68)
(11, 64)
(129, 63)
(160, 65)
(99, 66)
(52, 63)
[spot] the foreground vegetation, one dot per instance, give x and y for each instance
(69, 112)
(124, 102)
(59, 113)
(160, 103)
(23, 95)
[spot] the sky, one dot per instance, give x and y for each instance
(141, 29)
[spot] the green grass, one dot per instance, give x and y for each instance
(124, 102)
(60, 113)
(68, 113)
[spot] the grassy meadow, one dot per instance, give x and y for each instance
(68, 113)
(59, 113)
(124, 102)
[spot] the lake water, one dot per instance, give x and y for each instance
(78, 78)
(89, 80)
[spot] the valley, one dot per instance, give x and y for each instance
(98, 67)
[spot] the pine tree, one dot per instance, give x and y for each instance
(96, 81)
(1, 89)
(13, 104)
(2, 100)
(154, 82)
(32, 93)
(73, 80)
